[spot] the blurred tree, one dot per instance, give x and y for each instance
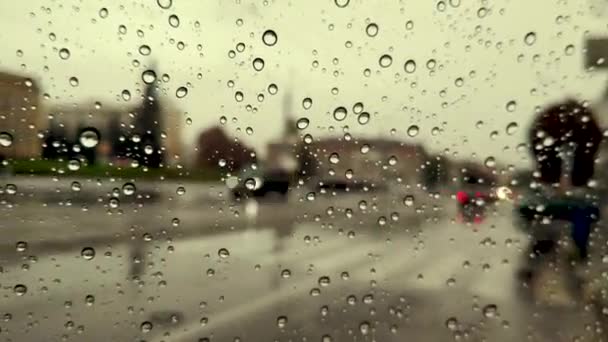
(148, 126)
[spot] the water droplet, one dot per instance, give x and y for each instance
(103, 13)
(385, 61)
(490, 162)
(530, 38)
(341, 3)
(240, 47)
(89, 300)
(181, 92)
(281, 322)
(74, 81)
(164, 4)
(273, 89)
(431, 64)
(89, 138)
(173, 20)
(451, 323)
(364, 327)
(358, 108)
(21, 246)
(148, 76)
(128, 189)
(20, 289)
(482, 12)
(6, 139)
(286, 273)
(512, 128)
(258, 64)
(569, 50)
(269, 37)
(145, 50)
(223, 253)
(410, 66)
(180, 190)
(146, 327)
(238, 96)
(408, 200)
(250, 183)
(363, 118)
(413, 130)
(73, 165)
(459, 82)
(75, 186)
(64, 53)
(302, 123)
(371, 29)
(126, 95)
(324, 281)
(87, 253)
(307, 103)
(334, 158)
(490, 310)
(340, 113)
(511, 106)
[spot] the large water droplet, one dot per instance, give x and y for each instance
(20, 289)
(410, 66)
(146, 327)
(181, 92)
(512, 128)
(126, 95)
(87, 253)
(307, 103)
(250, 184)
(73, 165)
(385, 61)
(363, 118)
(490, 310)
(273, 89)
(164, 4)
(89, 138)
(64, 53)
(128, 189)
(269, 37)
(103, 13)
(258, 64)
(334, 158)
(511, 106)
(6, 139)
(413, 130)
(74, 81)
(490, 162)
(364, 327)
(302, 123)
(371, 29)
(340, 113)
(148, 76)
(223, 253)
(281, 322)
(530, 38)
(145, 50)
(173, 20)
(408, 200)
(341, 3)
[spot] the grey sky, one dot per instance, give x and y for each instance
(482, 51)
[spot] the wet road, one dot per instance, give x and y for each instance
(201, 267)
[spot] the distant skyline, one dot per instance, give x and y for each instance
(483, 61)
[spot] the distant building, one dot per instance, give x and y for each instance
(370, 160)
(217, 150)
(115, 124)
(20, 115)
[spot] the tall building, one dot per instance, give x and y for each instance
(20, 115)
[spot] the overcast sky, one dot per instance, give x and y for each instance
(481, 42)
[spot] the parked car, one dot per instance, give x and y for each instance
(261, 184)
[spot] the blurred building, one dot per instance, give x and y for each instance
(115, 125)
(20, 115)
(369, 161)
(215, 149)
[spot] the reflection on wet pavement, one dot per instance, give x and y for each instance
(282, 275)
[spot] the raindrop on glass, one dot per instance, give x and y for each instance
(148, 76)
(385, 61)
(87, 253)
(173, 20)
(413, 130)
(145, 50)
(269, 37)
(511, 106)
(89, 138)
(181, 92)
(530, 38)
(258, 64)
(341, 3)
(302, 123)
(64, 53)
(164, 4)
(340, 113)
(409, 66)
(512, 128)
(6, 139)
(371, 29)
(307, 103)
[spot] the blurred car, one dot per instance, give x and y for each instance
(256, 183)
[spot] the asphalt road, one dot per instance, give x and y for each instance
(330, 269)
